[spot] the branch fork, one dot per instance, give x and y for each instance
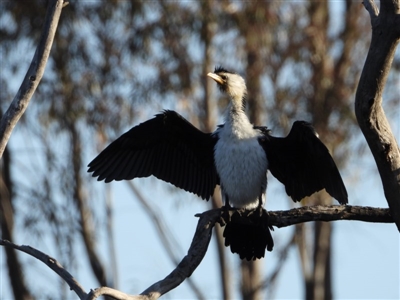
(201, 240)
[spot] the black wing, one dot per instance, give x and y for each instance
(168, 147)
(303, 163)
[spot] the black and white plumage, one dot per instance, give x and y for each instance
(236, 156)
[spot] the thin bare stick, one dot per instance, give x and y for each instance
(52, 264)
(33, 76)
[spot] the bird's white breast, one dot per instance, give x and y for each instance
(241, 164)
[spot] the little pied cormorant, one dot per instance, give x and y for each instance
(236, 156)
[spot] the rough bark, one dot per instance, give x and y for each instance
(369, 97)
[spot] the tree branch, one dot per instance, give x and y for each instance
(329, 213)
(33, 76)
(165, 235)
(373, 11)
(190, 262)
(51, 263)
(201, 240)
(368, 102)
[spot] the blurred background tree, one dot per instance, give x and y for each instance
(117, 63)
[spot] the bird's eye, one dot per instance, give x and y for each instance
(224, 77)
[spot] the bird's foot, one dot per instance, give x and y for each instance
(226, 212)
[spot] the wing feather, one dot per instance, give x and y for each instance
(168, 147)
(129, 163)
(302, 163)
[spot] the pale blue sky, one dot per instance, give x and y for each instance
(365, 256)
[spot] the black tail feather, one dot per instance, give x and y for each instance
(248, 234)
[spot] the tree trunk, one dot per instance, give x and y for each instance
(15, 269)
(368, 104)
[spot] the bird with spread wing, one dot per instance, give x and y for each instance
(236, 156)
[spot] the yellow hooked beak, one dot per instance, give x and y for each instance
(216, 77)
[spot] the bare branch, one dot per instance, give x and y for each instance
(106, 291)
(190, 262)
(373, 10)
(208, 219)
(368, 103)
(167, 239)
(33, 76)
(52, 264)
(201, 240)
(329, 213)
